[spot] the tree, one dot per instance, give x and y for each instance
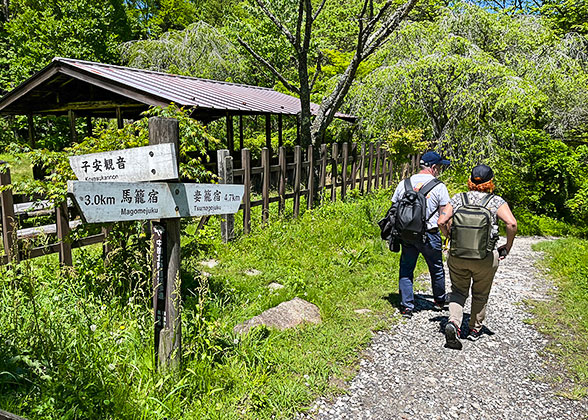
(375, 25)
(200, 50)
(38, 31)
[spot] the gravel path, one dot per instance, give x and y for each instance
(406, 373)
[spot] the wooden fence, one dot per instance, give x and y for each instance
(338, 169)
(327, 173)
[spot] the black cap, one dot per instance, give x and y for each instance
(481, 174)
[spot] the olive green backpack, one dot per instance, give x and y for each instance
(471, 230)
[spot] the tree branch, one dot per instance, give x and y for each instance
(271, 68)
(299, 22)
(318, 11)
(277, 22)
(317, 71)
(383, 33)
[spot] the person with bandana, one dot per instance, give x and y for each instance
(477, 275)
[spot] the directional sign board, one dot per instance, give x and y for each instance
(148, 163)
(121, 201)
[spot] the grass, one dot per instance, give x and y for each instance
(20, 166)
(565, 318)
(78, 344)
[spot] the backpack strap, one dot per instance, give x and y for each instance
(407, 185)
(426, 189)
(464, 199)
(486, 199)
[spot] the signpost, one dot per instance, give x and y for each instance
(123, 201)
(148, 163)
(113, 188)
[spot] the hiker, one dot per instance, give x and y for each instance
(429, 245)
(473, 259)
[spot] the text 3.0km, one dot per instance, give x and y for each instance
(97, 200)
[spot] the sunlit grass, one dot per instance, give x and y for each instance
(78, 344)
(565, 317)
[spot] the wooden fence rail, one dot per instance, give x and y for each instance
(328, 174)
(324, 174)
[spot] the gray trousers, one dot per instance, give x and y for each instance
(477, 275)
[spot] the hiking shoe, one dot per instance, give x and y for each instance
(406, 313)
(474, 335)
(452, 336)
(439, 305)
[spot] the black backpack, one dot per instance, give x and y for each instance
(411, 212)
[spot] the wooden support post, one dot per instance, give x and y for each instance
(246, 165)
(265, 165)
(384, 167)
(230, 133)
(9, 225)
(62, 216)
(119, 118)
(311, 187)
(106, 248)
(31, 124)
(280, 133)
(298, 129)
(334, 162)
(323, 176)
(268, 132)
(282, 180)
(89, 128)
(378, 162)
(345, 157)
(362, 170)
(353, 165)
(370, 167)
(166, 130)
(72, 126)
(405, 169)
(297, 176)
(240, 132)
(225, 174)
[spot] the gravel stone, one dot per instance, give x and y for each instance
(406, 373)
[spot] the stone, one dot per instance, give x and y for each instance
(286, 315)
(275, 286)
(209, 263)
(363, 311)
(252, 272)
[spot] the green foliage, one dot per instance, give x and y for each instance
(199, 50)
(19, 165)
(39, 31)
(56, 163)
(566, 319)
(567, 15)
(78, 345)
(403, 143)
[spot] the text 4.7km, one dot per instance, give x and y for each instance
(98, 200)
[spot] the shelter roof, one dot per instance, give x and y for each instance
(97, 89)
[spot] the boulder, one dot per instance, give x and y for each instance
(286, 315)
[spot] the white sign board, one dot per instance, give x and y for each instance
(121, 201)
(148, 163)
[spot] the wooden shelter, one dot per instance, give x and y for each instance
(83, 89)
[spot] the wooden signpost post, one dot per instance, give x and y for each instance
(114, 186)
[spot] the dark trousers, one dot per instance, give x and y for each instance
(432, 253)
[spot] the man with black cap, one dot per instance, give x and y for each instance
(431, 166)
(467, 268)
